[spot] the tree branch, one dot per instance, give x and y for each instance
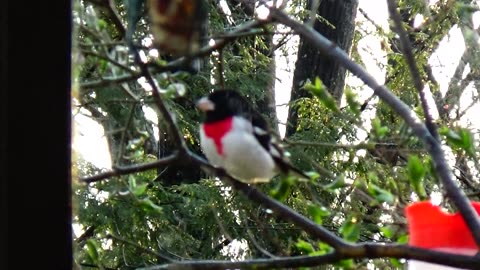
(131, 169)
(245, 29)
(278, 208)
(371, 251)
(106, 58)
(343, 250)
(152, 252)
(112, 14)
(365, 145)
(433, 146)
(412, 65)
(169, 121)
(110, 81)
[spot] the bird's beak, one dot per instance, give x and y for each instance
(204, 104)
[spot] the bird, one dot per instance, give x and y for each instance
(236, 138)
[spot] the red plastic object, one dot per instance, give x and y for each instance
(430, 227)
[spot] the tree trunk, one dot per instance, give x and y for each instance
(337, 24)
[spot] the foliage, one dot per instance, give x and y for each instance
(369, 163)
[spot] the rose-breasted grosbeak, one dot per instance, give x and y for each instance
(236, 138)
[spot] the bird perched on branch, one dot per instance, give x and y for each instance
(178, 26)
(237, 138)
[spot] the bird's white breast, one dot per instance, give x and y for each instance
(243, 156)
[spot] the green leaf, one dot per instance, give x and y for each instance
(150, 207)
(381, 195)
(395, 262)
(416, 168)
(392, 184)
(346, 264)
(321, 92)
(350, 230)
(304, 247)
(139, 190)
(324, 247)
(461, 138)
(132, 182)
(416, 173)
(372, 177)
(467, 142)
(403, 239)
(339, 182)
(387, 232)
(282, 189)
(379, 130)
(313, 175)
(353, 104)
(317, 213)
(102, 24)
(175, 90)
(102, 66)
(92, 250)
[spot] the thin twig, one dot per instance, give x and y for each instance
(124, 132)
(221, 78)
(170, 123)
(377, 27)
(104, 57)
(110, 81)
(312, 17)
(412, 65)
(252, 238)
(147, 250)
(131, 169)
(337, 145)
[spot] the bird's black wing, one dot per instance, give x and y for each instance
(261, 130)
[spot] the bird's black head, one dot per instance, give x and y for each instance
(222, 104)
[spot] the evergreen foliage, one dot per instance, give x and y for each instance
(177, 212)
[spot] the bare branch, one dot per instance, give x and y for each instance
(366, 145)
(412, 65)
(131, 169)
(152, 252)
(110, 81)
(371, 251)
(170, 123)
(104, 57)
(124, 132)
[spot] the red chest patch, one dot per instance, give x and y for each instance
(217, 130)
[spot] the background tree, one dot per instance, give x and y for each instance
(157, 206)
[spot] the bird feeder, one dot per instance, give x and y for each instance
(431, 228)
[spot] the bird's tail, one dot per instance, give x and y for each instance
(287, 168)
